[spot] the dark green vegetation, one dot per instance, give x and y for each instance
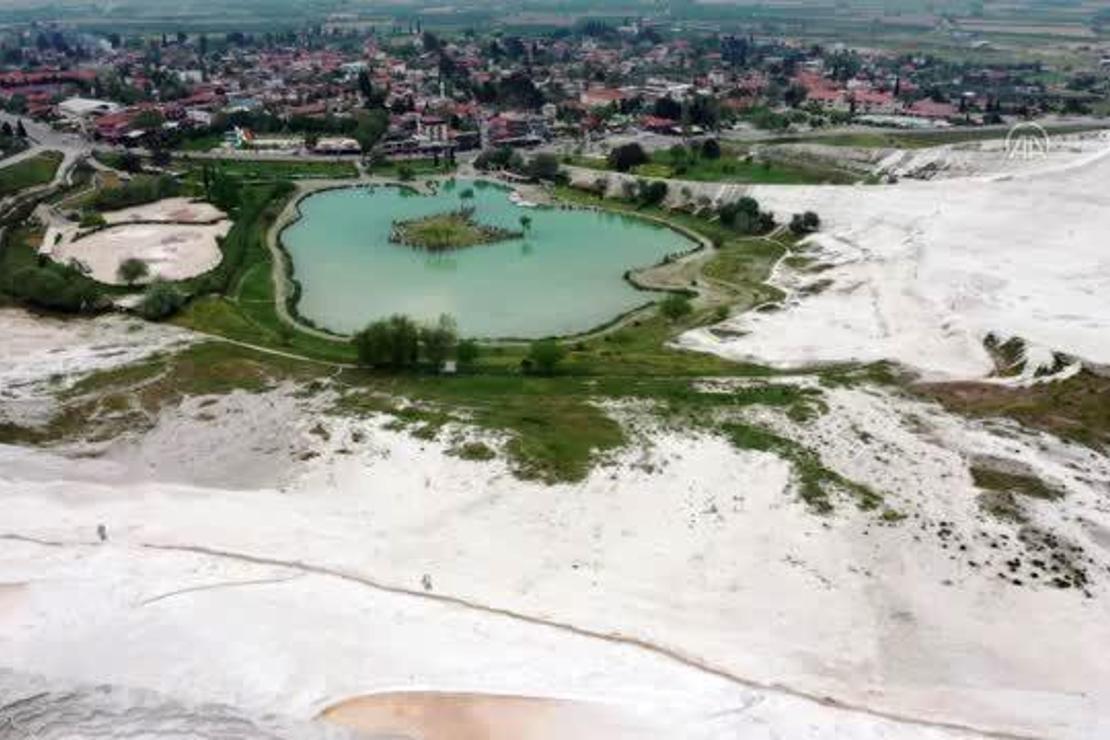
(445, 231)
(36, 170)
(28, 278)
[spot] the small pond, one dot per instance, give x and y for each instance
(565, 275)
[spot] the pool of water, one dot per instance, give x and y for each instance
(564, 276)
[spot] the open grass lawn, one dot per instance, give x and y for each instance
(729, 167)
(920, 139)
(257, 170)
(396, 168)
(202, 143)
(37, 170)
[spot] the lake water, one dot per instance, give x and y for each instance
(564, 276)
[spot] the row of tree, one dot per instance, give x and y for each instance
(399, 343)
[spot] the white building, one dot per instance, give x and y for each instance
(86, 108)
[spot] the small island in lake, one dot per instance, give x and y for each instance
(452, 230)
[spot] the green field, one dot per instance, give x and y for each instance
(732, 166)
(37, 170)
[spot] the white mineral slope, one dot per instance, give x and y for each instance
(285, 639)
(682, 584)
(40, 356)
(920, 273)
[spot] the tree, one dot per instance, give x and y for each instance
(371, 126)
(543, 166)
(675, 306)
(467, 352)
(7, 131)
(526, 222)
(710, 149)
(130, 162)
(389, 343)
(160, 300)
(148, 120)
(545, 355)
(652, 193)
(805, 223)
(625, 157)
(439, 340)
(667, 107)
(132, 270)
(160, 157)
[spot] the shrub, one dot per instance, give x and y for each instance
(132, 270)
(467, 352)
(543, 166)
(491, 159)
(675, 306)
(652, 193)
(804, 223)
(710, 149)
(56, 287)
(393, 343)
(545, 355)
(438, 341)
(625, 157)
(91, 219)
(141, 190)
(160, 300)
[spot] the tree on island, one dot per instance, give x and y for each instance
(132, 270)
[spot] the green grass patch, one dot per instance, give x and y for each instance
(816, 484)
(263, 171)
(446, 231)
(36, 170)
(1009, 482)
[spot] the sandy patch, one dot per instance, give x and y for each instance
(172, 251)
(446, 716)
(178, 210)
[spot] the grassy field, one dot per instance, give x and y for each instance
(397, 168)
(37, 170)
(919, 140)
(257, 170)
(731, 166)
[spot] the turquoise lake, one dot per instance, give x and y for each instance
(564, 276)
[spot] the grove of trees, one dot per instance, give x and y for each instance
(399, 343)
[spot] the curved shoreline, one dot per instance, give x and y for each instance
(642, 279)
